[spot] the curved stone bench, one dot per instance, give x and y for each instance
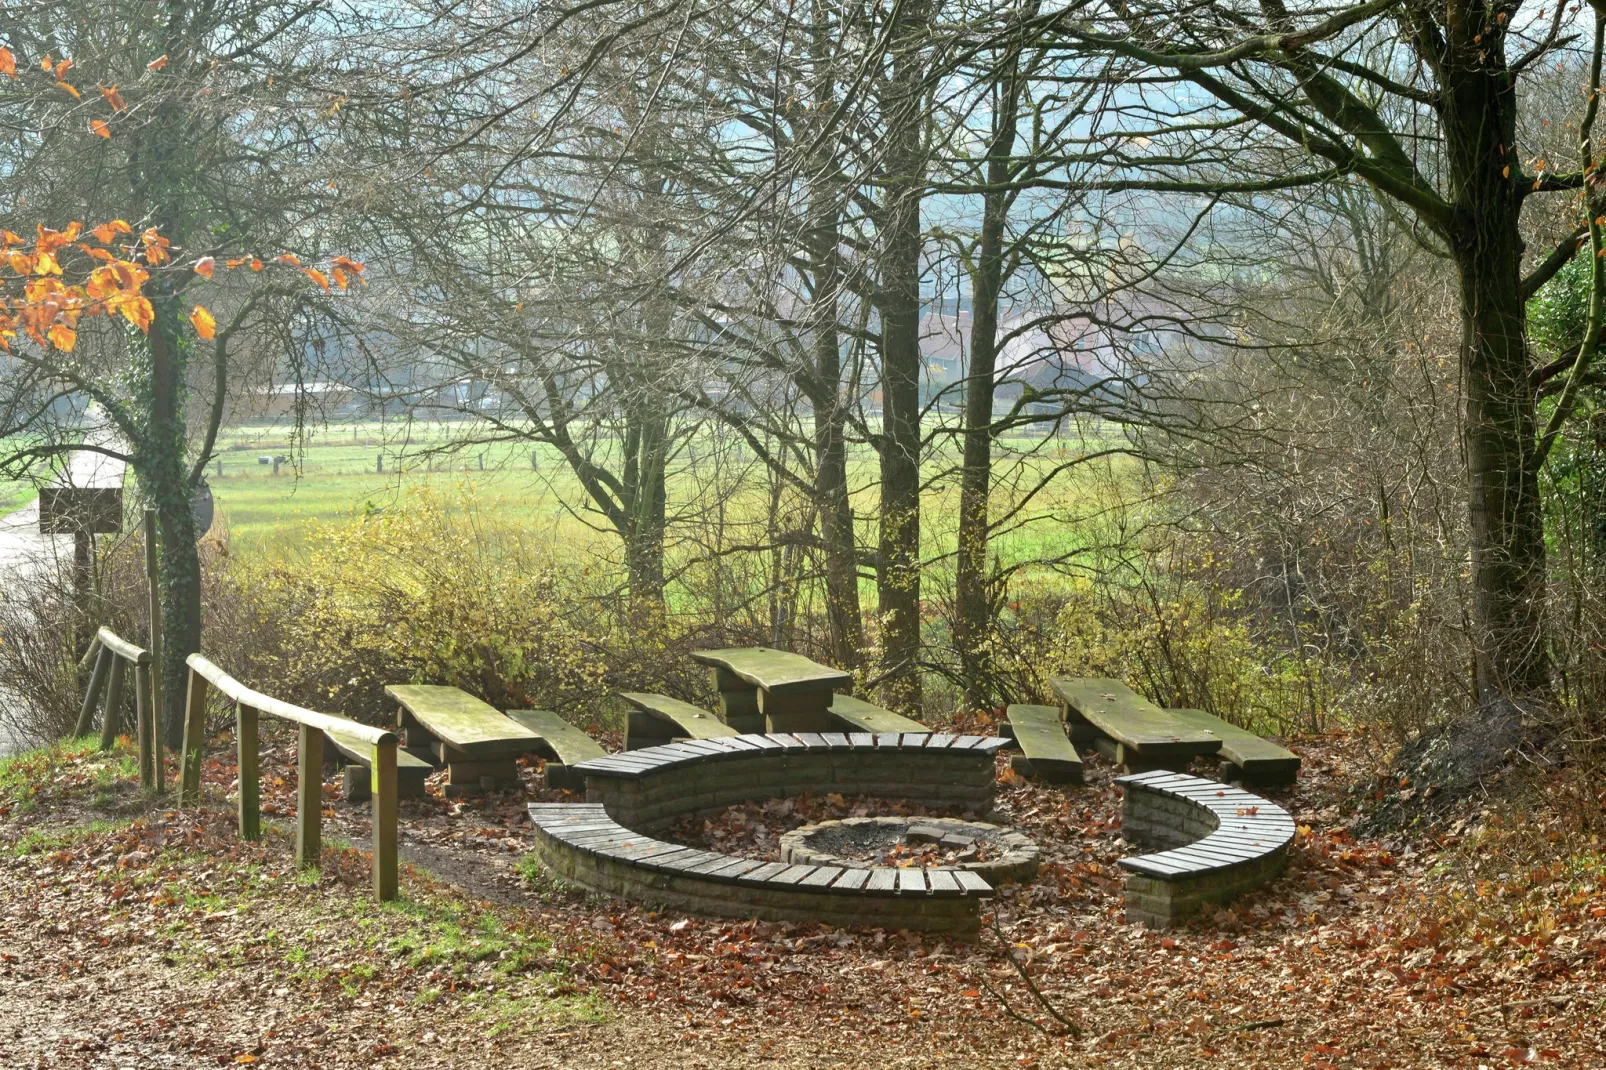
(1217, 843)
(650, 788)
(603, 844)
(583, 844)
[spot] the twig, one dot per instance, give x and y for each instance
(1031, 986)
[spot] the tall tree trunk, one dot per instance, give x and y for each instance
(971, 605)
(898, 566)
(159, 462)
(1498, 400)
(839, 545)
(645, 504)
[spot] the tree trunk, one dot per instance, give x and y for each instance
(159, 461)
(898, 565)
(1506, 528)
(645, 507)
(972, 611)
(839, 545)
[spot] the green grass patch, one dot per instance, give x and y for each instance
(73, 769)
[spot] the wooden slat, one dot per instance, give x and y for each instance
(1046, 752)
(463, 722)
(779, 672)
(189, 783)
(1132, 720)
(858, 715)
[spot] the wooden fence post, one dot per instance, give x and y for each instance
(189, 784)
(383, 789)
(112, 714)
(245, 740)
(150, 769)
(309, 797)
(97, 680)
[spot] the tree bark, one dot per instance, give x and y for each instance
(898, 564)
(839, 544)
(972, 611)
(1506, 527)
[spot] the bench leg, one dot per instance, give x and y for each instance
(355, 783)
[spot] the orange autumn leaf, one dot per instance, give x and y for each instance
(63, 337)
(158, 63)
(75, 94)
(96, 126)
(204, 267)
(339, 275)
(289, 258)
(113, 97)
(8, 63)
(205, 325)
(318, 277)
(60, 70)
(234, 263)
(47, 64)
(256, 265)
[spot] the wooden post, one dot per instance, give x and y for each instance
(383, 790)
(97, 680)
(220, 467)
(245, 744)
(111, 716)
(309, 797)
(90, 655)
(189, 785)
(150, 774)
(154, 615)
(379, 464)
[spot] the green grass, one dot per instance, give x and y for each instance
(70, 768)
(336, 477)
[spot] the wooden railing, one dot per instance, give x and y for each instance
(204, 675)
(112, 655)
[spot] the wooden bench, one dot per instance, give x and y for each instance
(1046, 751)
(356, 777)
(1217, 842)
(659, 719)
(788, 691)
(581, 843)
(1133, 732)
(479, 744)
(1244, 756)
(857, 715)
(562, 745)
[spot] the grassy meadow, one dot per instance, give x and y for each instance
(717, 495)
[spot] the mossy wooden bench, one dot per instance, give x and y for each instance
(657, 719)
(1244, 756)
(357, 775)
(857, 715)
(761, 689)
(479, 744)
(1046, 751)
(562, 745)
(1217, 842)
(1132, 731)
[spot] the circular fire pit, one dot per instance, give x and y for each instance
(997, 855)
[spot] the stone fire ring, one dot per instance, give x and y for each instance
(1012, 855)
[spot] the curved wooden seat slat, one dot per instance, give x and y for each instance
(593, 844)
(1218, 842)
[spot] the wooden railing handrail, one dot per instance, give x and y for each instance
(312, 726)
(238, 692)
(122, 647)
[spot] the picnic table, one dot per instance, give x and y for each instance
(790, 691)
